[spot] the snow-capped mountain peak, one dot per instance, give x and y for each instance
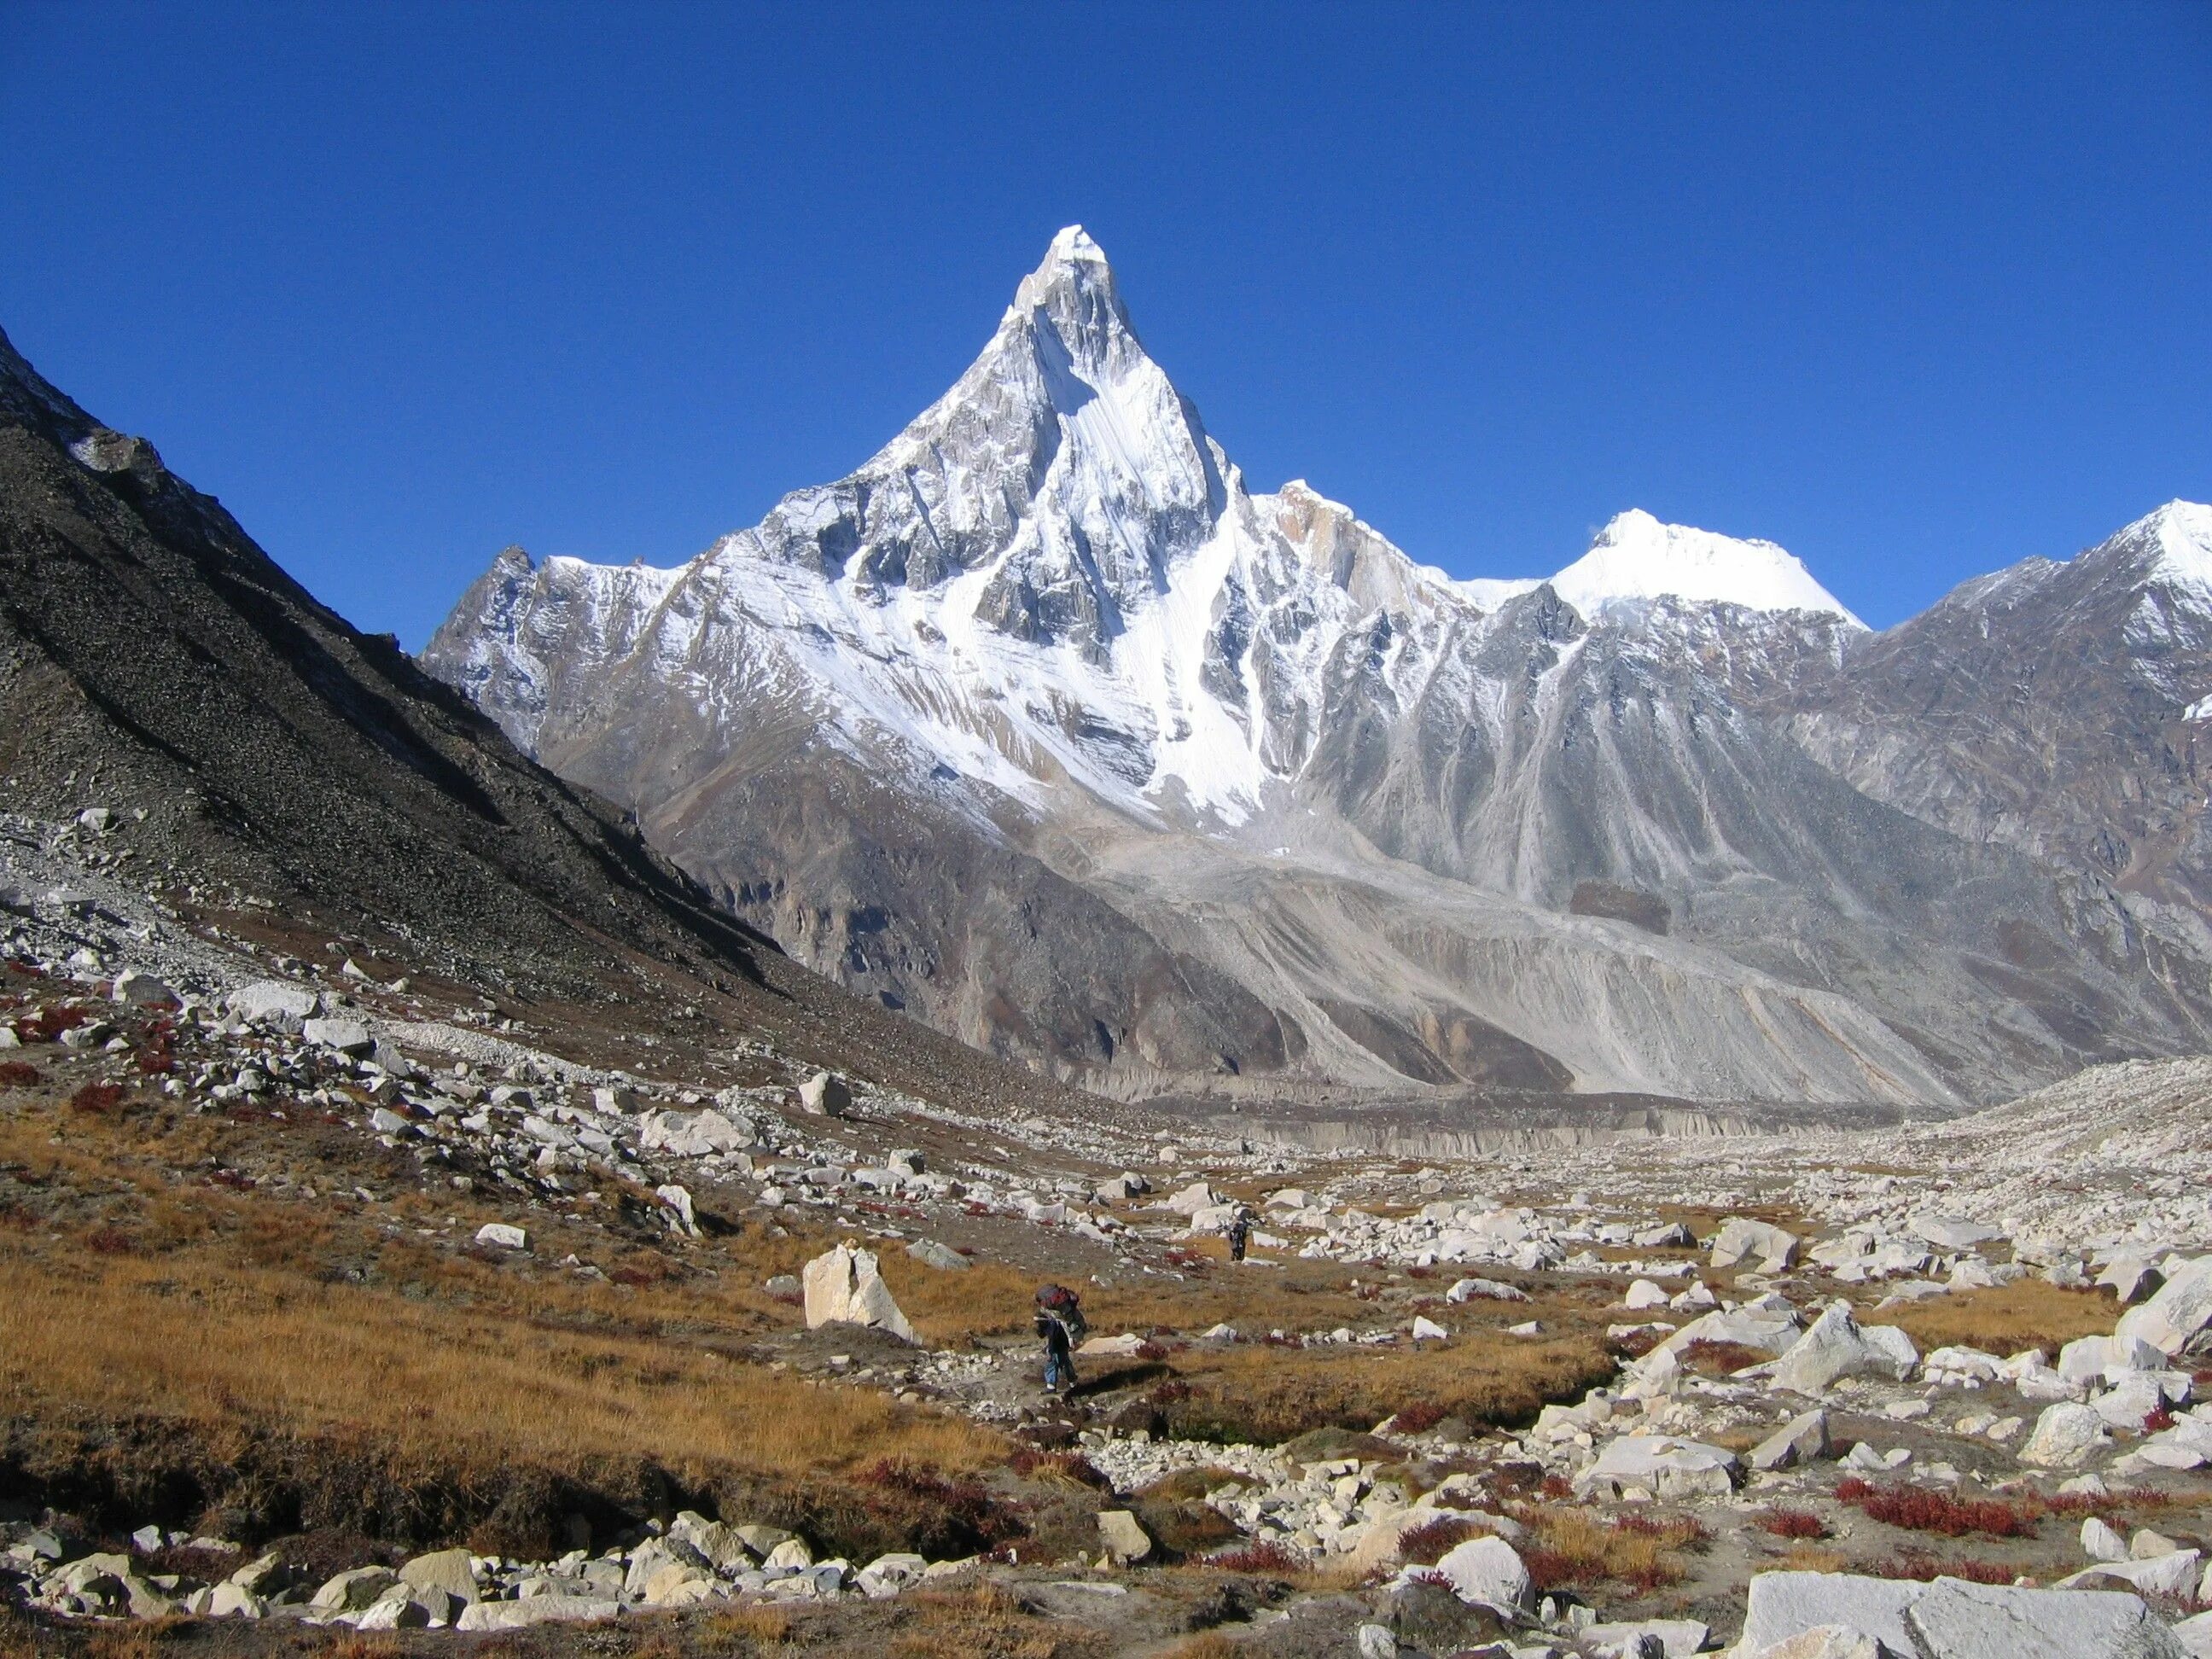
(1638, 557)
(2180, 535)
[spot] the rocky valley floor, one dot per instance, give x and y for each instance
(346, 1306)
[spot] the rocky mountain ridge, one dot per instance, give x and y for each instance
(1045, 728)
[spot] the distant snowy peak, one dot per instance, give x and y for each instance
(2178, 539)
(1636, 558)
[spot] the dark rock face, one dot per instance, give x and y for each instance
(1045, 730)
(155, 661)
(2053, 707)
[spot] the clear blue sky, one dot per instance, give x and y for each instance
(1914, 290)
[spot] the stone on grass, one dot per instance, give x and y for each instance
(537, 1610)
(1740, 1238)
(2064, 1437)
(930, 1254)
(228, 1601)
(844, 1286)
(1124, 1537)
(2182, 1308)
(1191, 1200)
(1487, 1290)
(450, 1571)
(357, 1588)
(1487, 1570)
(2100, 1543)
(1835, 1345)
(503, 1236)
(1801, 1440)
(789, 1555)
(1951, 1232)
(1660, 1465)
(1427, 1330)
(722, 1545)
(677, 1201)
(398, 1611)
(2129, 1278)
(264, 1576)
(826, 1094)
(1375, 1641)
(1643, 1293)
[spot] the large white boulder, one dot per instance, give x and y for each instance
(2065, 1435)
(1835, 1345)
(537, 1610)
(143, 990)
(1954, 1620)
(695, 1134)
(1661, 1465)
(2182, 1308)
(1489, 1571)
(846, 1286)
(1782, 1605)
(827, 1094)
(1952, 1233)
(1192, 1199)
(1740, 1238)
(274, 1002)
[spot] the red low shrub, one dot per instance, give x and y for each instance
(1425, 1545)
(1917, 1510)
(1418, 1417)
(1791, 1524)
(18, 1074)
(98, 1098)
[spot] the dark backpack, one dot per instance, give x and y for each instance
(1058, 1302)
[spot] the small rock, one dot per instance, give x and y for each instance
(502, 1235)
(930, 1254)
(2100, 1543)
(141, 990)
(1801, 1440)
(358, 1587)
(826, 1094)
(1124, 1537)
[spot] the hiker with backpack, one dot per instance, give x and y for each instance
(1059, 1322)
(1240, 1233)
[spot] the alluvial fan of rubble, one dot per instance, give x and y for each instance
(1753, 1284)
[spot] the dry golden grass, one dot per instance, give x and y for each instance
(1808, 1557)
(1274, 1393)
(1577, 1547)
(1209, 1644)
(749, 1627)
(984, 1621)
(178, 1336)
(2032, 1313)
